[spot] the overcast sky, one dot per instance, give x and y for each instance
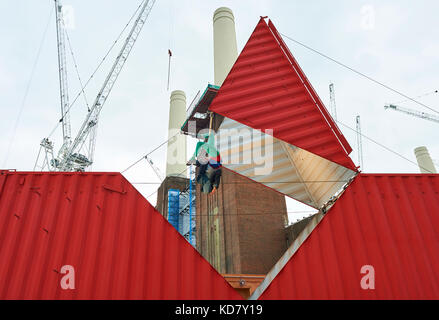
(395, 42)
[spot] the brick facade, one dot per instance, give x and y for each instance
(240, 227)
(170, 182)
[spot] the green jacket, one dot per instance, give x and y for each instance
(208, 146)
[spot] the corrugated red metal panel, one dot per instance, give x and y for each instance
(266, 89)
(119, 245)
(387, 221)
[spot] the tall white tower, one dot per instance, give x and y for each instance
(176, 153)
(424, 160)
(225, 49)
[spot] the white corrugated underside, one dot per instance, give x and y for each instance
(288, 169)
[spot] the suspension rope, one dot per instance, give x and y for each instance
(153, 150)
(359, 73)
(76, 69)
(375, 81)
(185, 170)
(382, 145)
(420, 96)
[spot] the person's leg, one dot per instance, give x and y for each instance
(217, 178)
(207, 186)
(209, 172)
(201, 173)
(203, 168)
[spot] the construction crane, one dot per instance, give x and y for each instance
(359, 142)
(155, 168)
(69, 157)
(46, 144)
(332, 105)
(412, 112)
(62, 70)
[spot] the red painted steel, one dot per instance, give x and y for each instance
(266, 89)
(388, 221)
(119, 245)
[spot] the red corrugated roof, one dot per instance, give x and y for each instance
(119, 245)
(266, 89)
(388, 221)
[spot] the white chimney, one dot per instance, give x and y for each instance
(176, 153)
(424, 160)
(225, 50)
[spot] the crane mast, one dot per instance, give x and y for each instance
(62, 70)
(332, 105)
(412, 112)
(49, 162)
(359, 142)
(73, 160)
(154, 167)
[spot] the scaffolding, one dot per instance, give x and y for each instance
(181, 211)
(186, 225)
(173, 207)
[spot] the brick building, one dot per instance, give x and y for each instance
(240, 227)
(170, 182)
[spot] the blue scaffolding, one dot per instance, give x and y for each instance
(174, 207)
(181, 212)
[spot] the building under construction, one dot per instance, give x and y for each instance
(374, 236)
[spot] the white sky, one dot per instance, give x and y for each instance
(398, 46)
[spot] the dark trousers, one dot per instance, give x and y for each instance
(216, 178)
(208, 177)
